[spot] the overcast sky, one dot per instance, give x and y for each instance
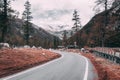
(57, 11)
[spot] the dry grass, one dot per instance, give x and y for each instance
(15, 60)
(106, 69)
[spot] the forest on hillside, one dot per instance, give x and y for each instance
(102, 30)
(20, 31)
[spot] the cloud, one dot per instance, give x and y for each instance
(57, 11)
(54, 14)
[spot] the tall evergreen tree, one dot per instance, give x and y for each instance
(5, 15)
(4, 18)
(64, 38)
(55, 42)
(1, 14)
(27, 18)
(77, 24)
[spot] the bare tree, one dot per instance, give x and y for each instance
(116, 12)
(105, 5)
(102, 5)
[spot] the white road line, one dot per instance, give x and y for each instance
(31, 69)
(86, 69)
(37, 67)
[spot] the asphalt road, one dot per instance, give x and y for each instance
(69, 67)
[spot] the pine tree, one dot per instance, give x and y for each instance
(4, 18)
(65, 38)
(1, 14)
(1, 6)
(55, 42)
(77, 24)
(27, 18)
(5, 15)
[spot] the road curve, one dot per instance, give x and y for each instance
(69, 67)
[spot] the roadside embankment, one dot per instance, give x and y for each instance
(106, 69)
(16, 60)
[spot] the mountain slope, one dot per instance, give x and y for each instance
(57, 30)
(38, 36)
(91, 33)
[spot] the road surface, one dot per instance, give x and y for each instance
(70, 66)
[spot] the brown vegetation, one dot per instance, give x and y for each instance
(106, 69)
(15, 60)
(91, 34)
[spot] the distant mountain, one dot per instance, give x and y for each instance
(91, 33)
(38, 36)
(58, 30)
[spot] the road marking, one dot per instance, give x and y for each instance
(31, 69)
(86, 69)
(37, 67)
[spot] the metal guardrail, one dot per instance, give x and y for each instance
(111, 57)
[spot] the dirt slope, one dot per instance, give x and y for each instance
(15, 60)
